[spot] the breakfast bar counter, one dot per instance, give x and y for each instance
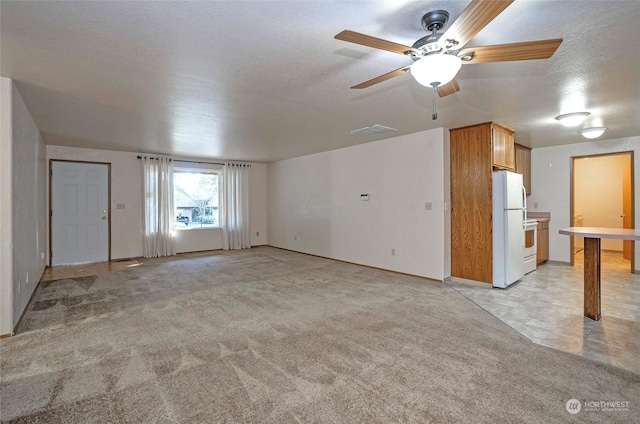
(592, 237)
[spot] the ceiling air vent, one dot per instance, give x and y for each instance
(373, 129)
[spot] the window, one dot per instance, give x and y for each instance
(196, 198)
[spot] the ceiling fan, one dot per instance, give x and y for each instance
(437, 57)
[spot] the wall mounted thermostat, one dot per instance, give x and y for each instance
(364, 197)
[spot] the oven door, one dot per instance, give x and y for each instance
(530, 235)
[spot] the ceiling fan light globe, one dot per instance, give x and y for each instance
(436, 69)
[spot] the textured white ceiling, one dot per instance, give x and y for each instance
(266, 80)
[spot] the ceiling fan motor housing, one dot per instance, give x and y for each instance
(427, 45)
(435, 20)
(431, 22)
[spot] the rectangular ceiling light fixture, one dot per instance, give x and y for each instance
(373, 129)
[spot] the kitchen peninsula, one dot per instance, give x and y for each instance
(592, 237)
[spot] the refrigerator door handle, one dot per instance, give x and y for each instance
(524, 203)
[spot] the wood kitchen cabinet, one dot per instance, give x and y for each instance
(542, 253)
(523, 165)
(474, 152)
(503, 147)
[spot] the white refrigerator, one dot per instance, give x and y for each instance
(509, 216)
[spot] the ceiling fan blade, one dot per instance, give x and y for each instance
(449, 88)
(381, 78)
(529, 50)
(472, 19)
(376, 43)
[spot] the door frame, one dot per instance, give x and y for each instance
(629, 153)
(50, 177)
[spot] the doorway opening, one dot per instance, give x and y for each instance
(602, 195)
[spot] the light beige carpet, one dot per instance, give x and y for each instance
(271, 336)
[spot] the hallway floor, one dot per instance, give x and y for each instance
(74, 271)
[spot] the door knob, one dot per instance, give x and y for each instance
(104, 218)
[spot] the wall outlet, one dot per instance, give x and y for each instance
(535, 205)
(428, 206)
(296, 237)
(393, 252)
(41, 255)
(257, 233)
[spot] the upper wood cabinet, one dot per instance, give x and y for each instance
(523, 165)
(503, 147)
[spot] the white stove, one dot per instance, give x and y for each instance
(530, 246)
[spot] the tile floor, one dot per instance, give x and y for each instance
(546, 306)
(74, 271)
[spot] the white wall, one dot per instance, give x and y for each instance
(316, 198)
(598, 193)
(126, 187)
(6, 204)
(23, 206)
(259, 204)
(551, 185)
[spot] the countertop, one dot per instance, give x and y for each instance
(539, 216)
(601, 232)
(541, 219)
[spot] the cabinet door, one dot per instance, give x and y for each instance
(542, 251)
(503, 149)
(498, 147)
(509, 152)
(523, 165)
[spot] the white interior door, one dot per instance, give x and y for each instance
(79, 213)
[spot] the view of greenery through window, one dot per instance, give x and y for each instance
(196, 200)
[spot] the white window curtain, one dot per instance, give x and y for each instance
(235, 206)
(158, 206)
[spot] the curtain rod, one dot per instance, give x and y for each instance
(189, 161)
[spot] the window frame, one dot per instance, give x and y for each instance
(199, 169)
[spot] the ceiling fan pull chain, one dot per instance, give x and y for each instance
(434, 115)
